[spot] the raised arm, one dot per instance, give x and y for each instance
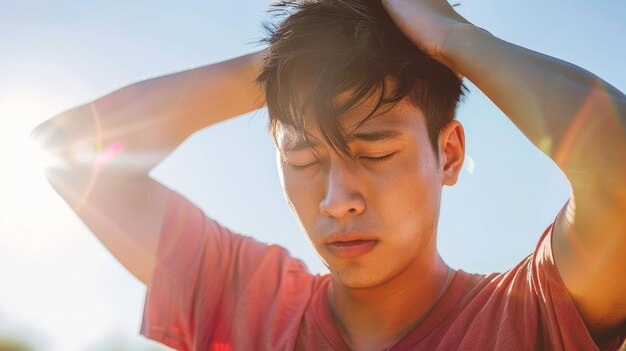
(108, 147)
(574, 117)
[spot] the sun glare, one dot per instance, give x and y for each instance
(27, 201)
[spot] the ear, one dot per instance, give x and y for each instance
(451, 151)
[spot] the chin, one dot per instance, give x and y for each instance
(359, 277)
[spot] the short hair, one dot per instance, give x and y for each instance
(323, 48)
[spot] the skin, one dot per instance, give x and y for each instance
(395, 201)
(575, 118)
(571, 115)
(542, 96)
(118, 200)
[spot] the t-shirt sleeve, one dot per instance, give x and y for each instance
(525, 308)
(561, 320)
(212, 288)
(533, 308)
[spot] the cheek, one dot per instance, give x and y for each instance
(411, 198)
(299, 193)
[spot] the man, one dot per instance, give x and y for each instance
(364, 125)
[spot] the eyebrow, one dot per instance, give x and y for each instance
(367, 136)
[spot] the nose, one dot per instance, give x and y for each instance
(342, 197)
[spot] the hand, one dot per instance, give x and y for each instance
(425, 22)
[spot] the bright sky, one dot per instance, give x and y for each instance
(63, 290)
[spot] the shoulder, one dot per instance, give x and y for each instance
(528, 305)
(212, 284)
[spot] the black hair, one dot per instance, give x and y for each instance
(323, 48)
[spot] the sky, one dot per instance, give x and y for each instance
(61, 289)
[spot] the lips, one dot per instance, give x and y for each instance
(350, 244)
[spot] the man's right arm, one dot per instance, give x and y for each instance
(108, 147)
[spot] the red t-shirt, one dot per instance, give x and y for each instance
(213, 289)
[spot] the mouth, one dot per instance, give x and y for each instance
(350, 244)
(351, 249)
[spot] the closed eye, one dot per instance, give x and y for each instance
(304, 166)
(375, 159)
(379, 159)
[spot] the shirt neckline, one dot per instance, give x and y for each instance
(442, 309)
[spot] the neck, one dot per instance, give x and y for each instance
(378, 317)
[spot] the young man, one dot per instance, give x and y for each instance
(364, 126)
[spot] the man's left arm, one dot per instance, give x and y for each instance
(579, 121)
(574, 117)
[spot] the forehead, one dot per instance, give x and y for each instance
(386, 123)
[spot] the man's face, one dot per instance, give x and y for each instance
(372, 215)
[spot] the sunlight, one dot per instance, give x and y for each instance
(37, 157)
(27, 201)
